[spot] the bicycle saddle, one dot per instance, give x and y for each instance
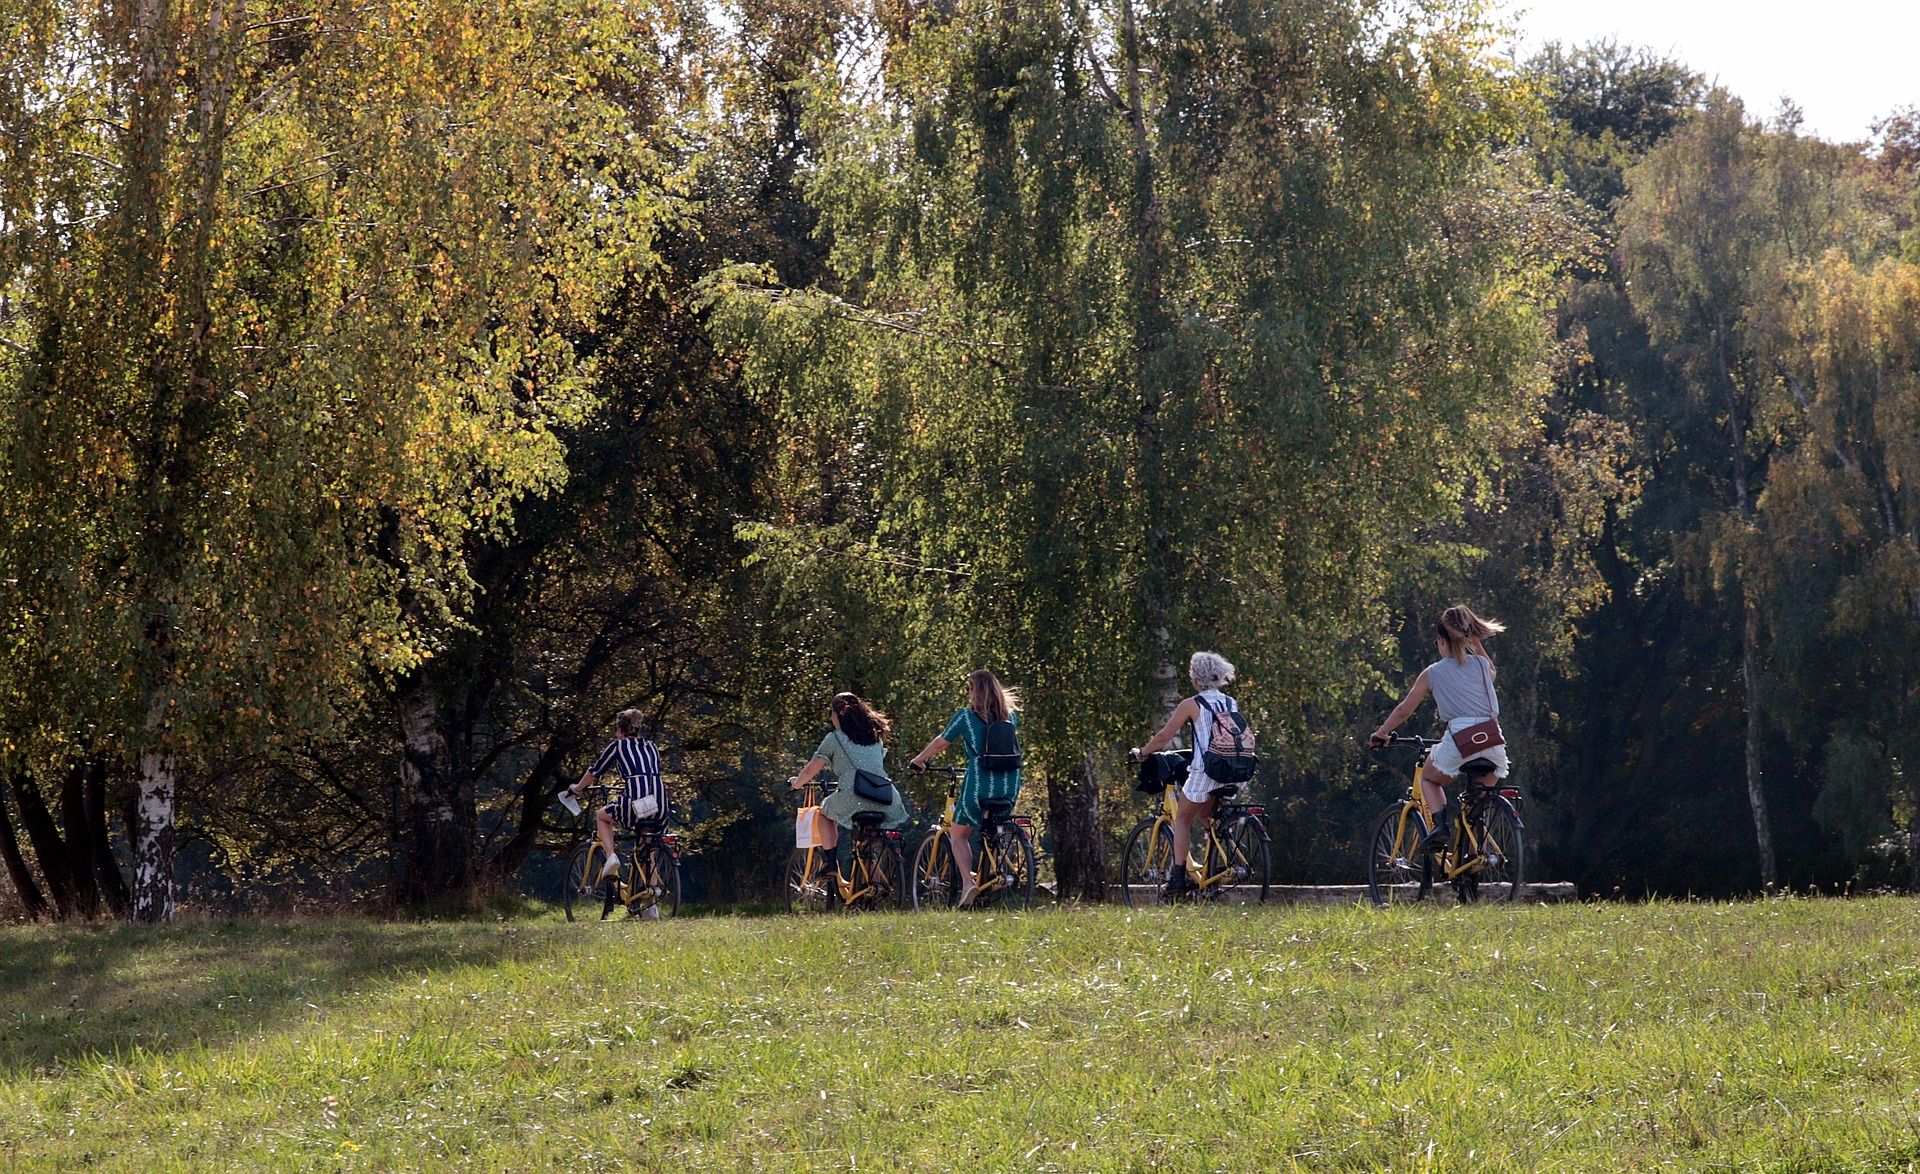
(869, 819)
(1477, 766)
(996, 808)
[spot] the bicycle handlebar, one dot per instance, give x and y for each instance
(930, 769)
(1406, 740)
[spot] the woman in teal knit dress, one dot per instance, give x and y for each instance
(987, 701)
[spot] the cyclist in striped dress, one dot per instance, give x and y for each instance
(988, 701)
(636, 760)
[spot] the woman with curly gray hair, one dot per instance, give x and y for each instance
(1210, 673)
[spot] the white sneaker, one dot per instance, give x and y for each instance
(610, 867)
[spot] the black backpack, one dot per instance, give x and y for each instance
(1000, 748)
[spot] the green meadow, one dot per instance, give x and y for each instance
(1781, 1034)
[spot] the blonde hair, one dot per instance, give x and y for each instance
(1209, 670)
(988, 698)
(629, 723)
(1458, 625)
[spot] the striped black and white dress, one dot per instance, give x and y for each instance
(637, 761)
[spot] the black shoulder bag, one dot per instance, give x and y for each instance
(869, 786)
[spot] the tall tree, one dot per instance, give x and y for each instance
(1137, 310)
(295, 292)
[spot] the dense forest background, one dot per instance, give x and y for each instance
(392, 390)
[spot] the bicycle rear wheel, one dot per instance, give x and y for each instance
(1242, 846)
(810, 887)
(935, 881)
(875, 877)
(1144, 865)
(1502, 855)
(1011, 861)
(1397, 869)
(662, 877)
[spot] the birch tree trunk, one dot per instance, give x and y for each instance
(1152, 328)
(153, 829)
(1737, 415)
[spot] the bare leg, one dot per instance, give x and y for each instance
(1433, 785)
(961, 837)
(605, 822)
(1185, 812)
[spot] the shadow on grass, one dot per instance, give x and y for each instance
(68, 993)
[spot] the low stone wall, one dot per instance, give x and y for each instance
(1545, 892)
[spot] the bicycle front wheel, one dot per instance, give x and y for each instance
(1009, 861)
(1144, 865)
(580, 889)
(1241, 846)
(936, 883)
(810, 886)
(1397, 869)
(1502, 855)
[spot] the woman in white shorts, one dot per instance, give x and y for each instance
(1209, 672)
(1461, 682)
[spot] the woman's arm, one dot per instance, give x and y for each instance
(807, 773)
(587, 779)
(1183, 713)
(1402, 711)
(934, 749)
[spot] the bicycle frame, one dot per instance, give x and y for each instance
(986, 861)
(1464, 852)
(1234, 867)
(864, 882)
(636, 877)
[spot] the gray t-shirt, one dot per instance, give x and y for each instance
(1463, 690)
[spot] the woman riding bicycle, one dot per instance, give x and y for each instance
(988, 703)
(855, 743)
(1461, 682)
(1209, 672)
(645, 796)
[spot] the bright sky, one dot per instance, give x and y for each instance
(1845, 62)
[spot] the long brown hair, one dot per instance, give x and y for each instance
(988, 698)
(859, 720)
(1458, 625)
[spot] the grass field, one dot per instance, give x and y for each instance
(1777, 1035)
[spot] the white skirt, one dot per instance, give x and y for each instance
(1446, 759)
(1200, 785)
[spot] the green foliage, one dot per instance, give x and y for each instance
(1186, 408)
(1606, 105)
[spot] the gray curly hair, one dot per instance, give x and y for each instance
(1209, 670)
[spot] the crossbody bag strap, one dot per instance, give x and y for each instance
(1493, 703)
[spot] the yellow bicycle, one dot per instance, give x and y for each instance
(1003, 861)
(647, 883)
(877, 879)
(1234, 853)
(1487, 847)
